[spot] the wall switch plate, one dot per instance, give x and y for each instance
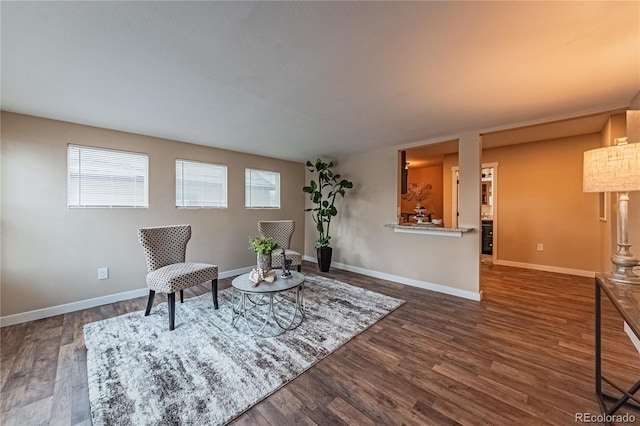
(103, 273)
(540, 247)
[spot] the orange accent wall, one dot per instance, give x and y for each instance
(426, 175)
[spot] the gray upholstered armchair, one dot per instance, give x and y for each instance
(165, 249)
(281, 231)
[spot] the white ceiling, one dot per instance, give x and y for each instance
(295, 80)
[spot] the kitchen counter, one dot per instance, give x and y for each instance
(428, 229)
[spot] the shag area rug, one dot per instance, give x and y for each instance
(206, 372)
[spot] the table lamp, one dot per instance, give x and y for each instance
(616, 168)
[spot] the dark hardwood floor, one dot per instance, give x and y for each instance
(523, 356)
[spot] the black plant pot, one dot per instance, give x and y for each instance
(324, 258)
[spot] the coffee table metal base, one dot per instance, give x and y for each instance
(249, 310)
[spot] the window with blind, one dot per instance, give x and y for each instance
(201, 185)
(98, 177)
(262, 189)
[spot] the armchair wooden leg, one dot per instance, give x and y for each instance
(181, 296)
(299, 268)
(172, 310)
(214, 292)
(149, 302)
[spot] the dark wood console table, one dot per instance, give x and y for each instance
(626, 299)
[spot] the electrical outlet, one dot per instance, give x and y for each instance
(540, 247)
(103, 273)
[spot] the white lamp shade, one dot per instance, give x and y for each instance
(612, 169)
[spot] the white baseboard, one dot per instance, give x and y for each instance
(103, 300)
(546, 268)
(70, 307)
(633, 337)
(235, 272)
(403, 280)
(91, 303)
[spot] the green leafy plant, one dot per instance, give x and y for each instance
(323, 193)
(262, 245)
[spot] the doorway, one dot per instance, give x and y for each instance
(488, 208)
(489, 212)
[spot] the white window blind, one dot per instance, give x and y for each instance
(201, 184)
(99, 177)
(262, 189)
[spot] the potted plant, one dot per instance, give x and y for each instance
(323, 192)
(263, 246)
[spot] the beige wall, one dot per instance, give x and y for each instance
(359, 238)
(540, 200)
(55, 252)
(546, 169)
(52, 253)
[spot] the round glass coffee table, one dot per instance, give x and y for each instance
(269, 309)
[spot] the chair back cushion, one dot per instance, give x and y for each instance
(280, 230)
(164, 245)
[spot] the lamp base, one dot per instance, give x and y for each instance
(627, 277)
(622, 264)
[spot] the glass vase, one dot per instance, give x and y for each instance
(264, 262)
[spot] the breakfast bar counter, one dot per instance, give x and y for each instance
(428, 229)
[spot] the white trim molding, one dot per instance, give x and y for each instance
(70, 307)
(403, 280)
(91, 303)
(546, 268)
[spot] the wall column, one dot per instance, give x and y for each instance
(470, 162)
